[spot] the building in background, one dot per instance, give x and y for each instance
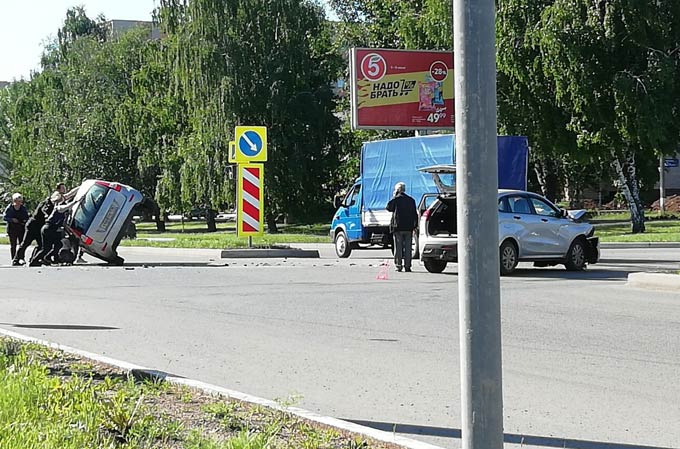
(118, 27)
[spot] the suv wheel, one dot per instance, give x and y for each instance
(342, 247)
(508, 257)
(434, 266)
(576, 257)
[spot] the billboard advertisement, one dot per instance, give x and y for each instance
(401, 89)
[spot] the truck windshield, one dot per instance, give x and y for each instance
(88, 208)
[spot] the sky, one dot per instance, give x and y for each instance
(26, 24)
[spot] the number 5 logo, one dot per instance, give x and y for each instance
(373, 67)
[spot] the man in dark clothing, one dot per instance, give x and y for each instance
(16, 217)
(33, 227)
(404, 221)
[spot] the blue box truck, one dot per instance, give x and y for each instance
(360, 219)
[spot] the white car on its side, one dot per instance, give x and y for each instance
(100, 217)
(531, 229)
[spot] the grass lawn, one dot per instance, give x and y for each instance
(193, 235)
(604, 215)
(53, 400)
(656, 231)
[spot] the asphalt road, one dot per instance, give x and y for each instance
(588, 362)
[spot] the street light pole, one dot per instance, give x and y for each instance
(477, 208)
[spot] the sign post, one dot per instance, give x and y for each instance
(662, 189)
(477, 192)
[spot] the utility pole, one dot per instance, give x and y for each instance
(478, 254)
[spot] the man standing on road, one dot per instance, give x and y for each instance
(33, 227)
(16, 217)
(404, 221)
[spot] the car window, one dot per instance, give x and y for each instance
(543, 208)
(519, 205)
(89, 206)
(503, 205)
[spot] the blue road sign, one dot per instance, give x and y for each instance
(671, 162)
(250, 144)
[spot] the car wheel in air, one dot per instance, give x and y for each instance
(576, 257)
(342, 246)
(508, 257)
(434, 266)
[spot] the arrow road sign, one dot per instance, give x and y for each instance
(251, 144)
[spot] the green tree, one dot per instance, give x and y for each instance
(615, 67)
(255, 62)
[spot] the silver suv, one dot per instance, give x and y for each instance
(531, 229)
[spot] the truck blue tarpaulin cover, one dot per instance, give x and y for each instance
(386, 162)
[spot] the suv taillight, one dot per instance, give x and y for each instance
(114, 186)
(426, 214)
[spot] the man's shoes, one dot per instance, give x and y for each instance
(398, 268)
(408, 270)
(16, 263)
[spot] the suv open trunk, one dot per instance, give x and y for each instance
(443, 218)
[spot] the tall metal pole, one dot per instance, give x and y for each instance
(477, 192)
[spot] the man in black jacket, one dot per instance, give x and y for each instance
(404, 221)
(16, 216)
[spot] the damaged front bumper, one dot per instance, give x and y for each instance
(593, 249)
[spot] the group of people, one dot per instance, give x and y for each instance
(43, 227)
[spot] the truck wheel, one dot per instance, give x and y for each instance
(576, 257)
(342, 246)
(508, 257)
(434, 266)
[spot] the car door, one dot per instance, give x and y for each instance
(517, 220)
(352, 212)
(553, 240)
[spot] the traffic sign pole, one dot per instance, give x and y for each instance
(477, 208)
(662, 188)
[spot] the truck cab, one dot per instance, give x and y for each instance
(352, 224)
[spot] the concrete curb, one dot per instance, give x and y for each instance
(655, 281)
(269, 253)
(632, 245)
(139, 371)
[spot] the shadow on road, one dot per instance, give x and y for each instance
(510, 438)
(67, 327)
(557, 273)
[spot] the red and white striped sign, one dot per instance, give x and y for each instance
(250, 199)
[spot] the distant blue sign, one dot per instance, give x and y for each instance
(671, 162)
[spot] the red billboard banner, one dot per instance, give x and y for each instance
(401, 89)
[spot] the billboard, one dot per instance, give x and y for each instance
(401, 89)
